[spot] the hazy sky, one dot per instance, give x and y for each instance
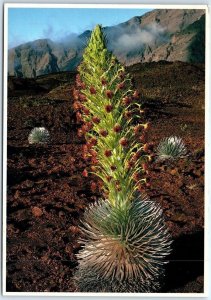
(28, 24)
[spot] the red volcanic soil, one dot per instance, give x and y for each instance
(47, 194)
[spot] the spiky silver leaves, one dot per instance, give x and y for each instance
(39, 135)
(171, 148)
(125, 247)
(89, 281)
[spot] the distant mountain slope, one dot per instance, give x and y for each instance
(163, 34)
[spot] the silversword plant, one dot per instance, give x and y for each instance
(125, 249)
(125, 240)
(39, 135)
(171, 148)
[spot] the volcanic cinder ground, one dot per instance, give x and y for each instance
(47, 194)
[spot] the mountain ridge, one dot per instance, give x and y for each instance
(161, 34)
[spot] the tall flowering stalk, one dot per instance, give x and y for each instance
(125, 239)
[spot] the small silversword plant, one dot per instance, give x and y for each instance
(171, 148)
(39, 135)
(125, 240)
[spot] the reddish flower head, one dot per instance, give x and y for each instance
(90, 124)
(136, 156)
(100, 184)
(82, 97)
(93, 186)
(122, 75)
(126, 101)
(140, 188)
(84, 128)
(145, 167)
(128, 114)
(78, 78)
(103, 132)
(103, 81)
(142, 138)
(86, 111)
(123, 142)
(121, 85)
(147, 183)
(85, 156)
(96, 120)
(87, 126)
(78, 117)
(130, 164)
(93, 168)
(137, 129)
(94, 161)
(80, 132)
(136, 177)
(117, 128)
(85, 148)
(146, 147)
(93, 153)
(108, 108)
(109, 178)
(93, 141)
(77, 105)
(136, 95)
(92, 90)
(113, 168)
(79, 83)
(85, 173)
(76, 94)
(151, 146)
(118, 187)
(109, 94)
(108, 153)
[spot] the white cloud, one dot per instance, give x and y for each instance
(138, 37)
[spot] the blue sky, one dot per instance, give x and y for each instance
(28, 24)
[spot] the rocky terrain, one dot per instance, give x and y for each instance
(47, 194)
(162, 34)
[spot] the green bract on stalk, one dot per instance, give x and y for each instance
(112, 128)
(125, 239)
